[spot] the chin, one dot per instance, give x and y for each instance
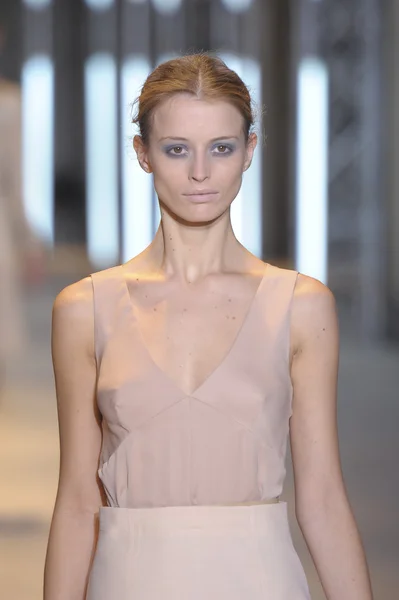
(194, 212)
(205, 213)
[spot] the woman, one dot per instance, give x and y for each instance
(179, 375)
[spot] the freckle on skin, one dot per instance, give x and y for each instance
(233, 317)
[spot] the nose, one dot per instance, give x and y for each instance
(199, 167)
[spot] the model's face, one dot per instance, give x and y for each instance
(197, 153)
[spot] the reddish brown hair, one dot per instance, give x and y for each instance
(204, 76)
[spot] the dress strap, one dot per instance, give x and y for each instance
(292, 278)
(108, 293)
(276, 306)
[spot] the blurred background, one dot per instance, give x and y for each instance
(322, 196)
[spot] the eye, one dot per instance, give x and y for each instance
(177, 150)
(223, 149)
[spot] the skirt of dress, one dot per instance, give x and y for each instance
(196, 553)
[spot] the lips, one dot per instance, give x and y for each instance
(201, 193)
(202, 196)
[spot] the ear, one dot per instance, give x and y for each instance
(251, 145)
(142, 154)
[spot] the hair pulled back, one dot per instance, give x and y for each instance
(204, 76)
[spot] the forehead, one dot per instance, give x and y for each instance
(187, 116)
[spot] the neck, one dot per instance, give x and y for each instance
(192, 252)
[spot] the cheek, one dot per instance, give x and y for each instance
(165, 166)
(171, 174)
(229, 170)
(168, 177)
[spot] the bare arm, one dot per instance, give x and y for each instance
(74, 526)
(322, 507)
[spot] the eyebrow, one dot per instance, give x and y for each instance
(182, 139)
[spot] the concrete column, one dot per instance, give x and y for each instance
(391, 154)
(275, 51)
(69, 25)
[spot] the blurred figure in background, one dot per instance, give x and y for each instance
(21, 253)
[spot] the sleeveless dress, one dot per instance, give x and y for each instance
(173, 465)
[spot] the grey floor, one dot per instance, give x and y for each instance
(368, 423)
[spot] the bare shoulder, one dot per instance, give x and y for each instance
(310, 290)
(74, 301)
(73, 313)
(313, 310)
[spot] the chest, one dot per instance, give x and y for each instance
(189, 333)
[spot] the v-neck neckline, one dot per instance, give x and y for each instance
(227, 354)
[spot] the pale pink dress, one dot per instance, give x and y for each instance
(171, 463)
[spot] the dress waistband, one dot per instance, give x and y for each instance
(268, 501)
(250, 516)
